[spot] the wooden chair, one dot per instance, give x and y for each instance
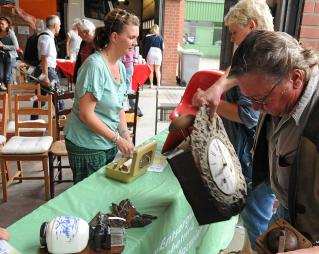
(20, 148)
(25, 89)
(58, 149)
(3, 121)
(131, 114)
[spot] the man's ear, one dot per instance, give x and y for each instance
(297, 77)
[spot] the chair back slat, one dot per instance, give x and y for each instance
(32, 111)
(34, 89)
(65, 95)
(32, 124)
(133, 110)
(3, 112)
(65, 111)
(59, 123)
(20, 110)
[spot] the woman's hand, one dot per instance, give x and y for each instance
(4, 235)
(125, 146)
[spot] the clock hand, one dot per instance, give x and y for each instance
(219, 172)
(223, 157)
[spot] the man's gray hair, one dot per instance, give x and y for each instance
(52, 20)
(272, 53)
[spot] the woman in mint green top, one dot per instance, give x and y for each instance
(96, 128)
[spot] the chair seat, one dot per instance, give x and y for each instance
(3, 139)
(58, 148)
(27, 145)
(130, 117)
(11, 126)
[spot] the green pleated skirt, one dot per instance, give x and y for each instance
(84, 161)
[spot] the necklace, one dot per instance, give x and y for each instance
(113, 68)
(116, 74)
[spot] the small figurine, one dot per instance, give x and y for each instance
(126, 210)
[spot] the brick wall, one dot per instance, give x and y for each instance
(309, 31)
(173, 31)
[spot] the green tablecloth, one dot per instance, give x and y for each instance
(175, 231)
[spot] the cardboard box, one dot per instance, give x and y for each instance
(18, 20)
(22, 30)
(7, 11)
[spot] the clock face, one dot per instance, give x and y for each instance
(222, 166)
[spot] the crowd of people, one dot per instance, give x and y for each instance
(100, 93)
(270, 105)
(78, 46)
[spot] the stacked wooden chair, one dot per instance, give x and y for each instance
(31, 148)
(58, 149)
(19, 89)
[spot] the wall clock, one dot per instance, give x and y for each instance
(216, 159)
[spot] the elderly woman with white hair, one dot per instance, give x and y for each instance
(86, 30)
(73, 41)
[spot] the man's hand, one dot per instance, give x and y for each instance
(46, 81)
(313, 250)
(4, 235)
(209, 97)
(213, 94)
(45, 70)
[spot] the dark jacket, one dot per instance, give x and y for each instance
(303, 193)
(79, 61)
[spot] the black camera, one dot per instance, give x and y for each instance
(100, 233)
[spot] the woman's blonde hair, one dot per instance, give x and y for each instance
(155, 29)
(246, 10)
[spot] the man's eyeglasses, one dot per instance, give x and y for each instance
(262, 100)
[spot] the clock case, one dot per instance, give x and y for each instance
(191, 167)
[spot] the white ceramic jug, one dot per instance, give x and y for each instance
(65, 234)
